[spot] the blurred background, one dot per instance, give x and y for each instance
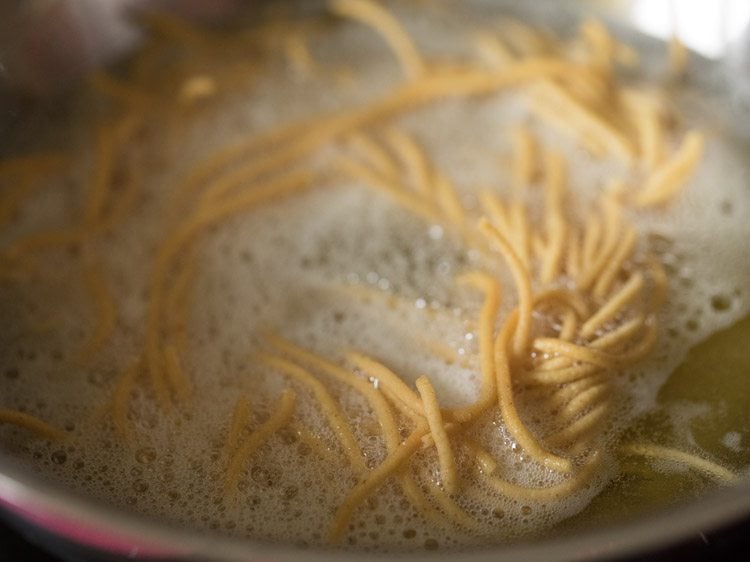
(46, 43)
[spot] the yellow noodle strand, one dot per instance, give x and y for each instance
(669, 178)
(565, 298)
(584, 122)
(678, 57)
(255, 169)
(121, 400)
(602, 46)
(553, 256)
(377, 403)
(580, 427)
(374, 480)
(282, 414)
(704, 466)
(494, 209)
(512, 420)
(375, 399)
(491, 289)
(554, 346)
(591, 240)
(389, 379)
(614, 266)
(237, 424)
(547, 112)
(311, 133)
(32, 424)
(331, 410)
(109, 140)
(555, 492)
(525, 39)
(660, 283)
(177, 242)
(644, 346)
(390, 188)
(564, 394)
(619, 300)
(412, 156)
(523, 286)
(378, 157)
(439, 349)
(569, 326)
(605, 245)
(552, 363)
(648, 124)
(555, 223)
(81, 232)
(383, 21)
(583, 400)
(623, 333)
(434, 418)
(485, 461)
(395, 399)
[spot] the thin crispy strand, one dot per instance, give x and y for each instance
(282, 413)
(446, 458)
(32, 423)
(704, 466)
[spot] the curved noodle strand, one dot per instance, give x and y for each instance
(671, 176)
(282, 413)
(487, 393)
(437, 429)
(377, 17)
(32, 423)
(624, 296)
(389, 379)
(705, 466)
(508, 408)
(240, 416)
(332, 412)
(550, 493)
(374, 480)
(378, 404)
(523, 285)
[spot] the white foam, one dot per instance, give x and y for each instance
(290, 267)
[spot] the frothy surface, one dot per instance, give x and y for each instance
(336, 268)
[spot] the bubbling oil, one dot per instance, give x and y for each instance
(336, 268)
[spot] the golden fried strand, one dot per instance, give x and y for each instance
(32, 423)
(282, 413)
(437, 429)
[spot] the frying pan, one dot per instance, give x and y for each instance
(80, 528)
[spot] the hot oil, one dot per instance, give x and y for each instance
(340, 268)
(702, 407)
